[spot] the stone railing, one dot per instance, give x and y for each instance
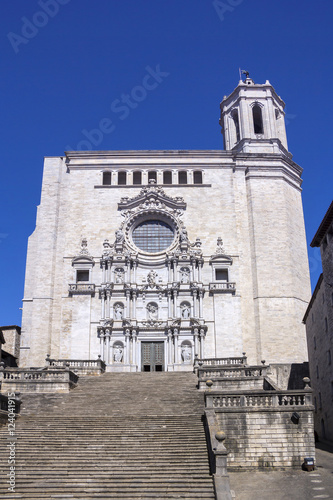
(237, 361)
(78, 366)
(259, 399)
(222, 287)
(37, 380)
(237, 372)
(81, 288)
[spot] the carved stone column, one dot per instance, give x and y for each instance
(169, 361)
(108, 335)
(175, 335)
(175, 303)
(200, 263)
(200, 303)
(174, 263)
(108, 296)
(135, 266)
(103, 304)
(202, 339)
(169, 271)
(101, 338)
(134, 346)
(195, 303)
(196, 340)
(103, 271)
(134, 304)
(127, 346)
(194, 277)
(128, 310)
(169, 304)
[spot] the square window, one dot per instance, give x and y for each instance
(82, 276)
(221, 274)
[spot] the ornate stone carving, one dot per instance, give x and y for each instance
(152, 311)
(185, 310)
(186, 353)
(118, 354)
(118, 311)
(119, 274)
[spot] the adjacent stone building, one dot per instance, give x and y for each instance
(319, 328)
(149, 258)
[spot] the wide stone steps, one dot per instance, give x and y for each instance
(124, 436)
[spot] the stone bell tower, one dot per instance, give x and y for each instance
(252, 119)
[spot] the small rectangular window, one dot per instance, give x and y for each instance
(197, 177)
(167, 177)
(152, 176)
(106, 178)
(122, 178)
(137, 178)
(221, 274)
(82, 276)
(182, 177)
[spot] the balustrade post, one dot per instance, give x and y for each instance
(221, 478)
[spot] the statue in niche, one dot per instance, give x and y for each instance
(151, 278)
(152, 312)
(119, 275)
(186, 353)
(184, 275)
(119, 236)
(118, 354)
(118, 312)
(183, 235)
(186, 311)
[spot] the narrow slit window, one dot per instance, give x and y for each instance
(137, 178)
(167, 177)
(257, 119)
(182, 177)
(122, 178)
(106, 178)
(197, 177)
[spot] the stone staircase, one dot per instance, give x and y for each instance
(121, 435)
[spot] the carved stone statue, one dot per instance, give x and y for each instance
(151, 278)
(119, 236)
(118, 354)
(186, 353)
(152, 312)
(183, 235)
(118, 311)
(186, 311)
(119, 275)
(184, 275)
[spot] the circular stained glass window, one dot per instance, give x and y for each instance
(153, 236)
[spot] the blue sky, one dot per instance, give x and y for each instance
(65, 62)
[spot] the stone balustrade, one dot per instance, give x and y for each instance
(81, 288)
(222, 287)
(78, 366)
(239, 360)
(37, 380)
(259, 399)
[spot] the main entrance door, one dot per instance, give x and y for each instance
(152, 356)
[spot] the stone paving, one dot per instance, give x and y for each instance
(288, 485)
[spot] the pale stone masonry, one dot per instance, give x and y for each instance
(148, 258)
(319, 328)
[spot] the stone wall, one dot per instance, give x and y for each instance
(261, 433)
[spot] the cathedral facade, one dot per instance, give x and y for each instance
(150, 259)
